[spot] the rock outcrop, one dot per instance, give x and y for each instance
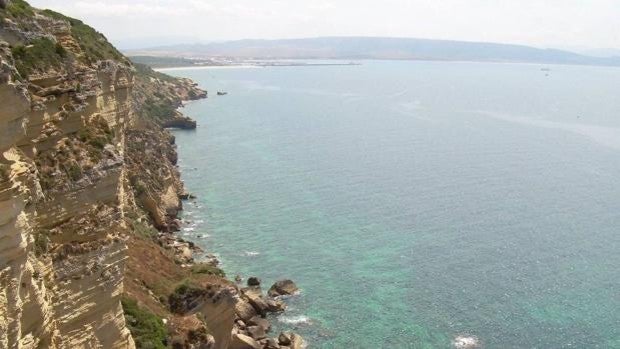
(89, 198)
(62, 235)
(283, 288)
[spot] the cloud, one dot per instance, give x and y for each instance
(133, 9)
(591, 23)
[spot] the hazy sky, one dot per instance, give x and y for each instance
(547, 23)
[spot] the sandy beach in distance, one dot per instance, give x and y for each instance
(207, 67)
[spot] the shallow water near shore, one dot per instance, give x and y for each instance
(416, 202)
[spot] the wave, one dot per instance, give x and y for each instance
(251, 253)
(295, 320)
(466, 342)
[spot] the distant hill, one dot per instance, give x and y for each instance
(162, 62)
(602, 52)
(378, 48)
(173, 61)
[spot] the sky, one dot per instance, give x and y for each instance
(578, 24)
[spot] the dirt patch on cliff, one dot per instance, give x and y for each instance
(152, 274)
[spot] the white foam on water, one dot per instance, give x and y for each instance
(287, 296)
(466, 342)
(294, 320)
(251, 253)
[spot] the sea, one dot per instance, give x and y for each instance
(416, 204)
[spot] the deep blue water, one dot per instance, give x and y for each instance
(414, 202)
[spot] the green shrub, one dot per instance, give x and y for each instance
(94, 44)
(60, 51)
(46, 182)
(41, 243)
(4, 172)
(140, 188)
(74, 172)
(207, 269)
(143, 229)
(147, 330)
(144, 70)
(41, 54)
(159, 110)
(95, 154)
(98, 142)
(180, 301)
(19, 9)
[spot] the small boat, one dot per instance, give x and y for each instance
(222, 93)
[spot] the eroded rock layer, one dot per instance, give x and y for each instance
(63, 114)
(61, 145)
(89, 198)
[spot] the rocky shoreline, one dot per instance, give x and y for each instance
(251, 328)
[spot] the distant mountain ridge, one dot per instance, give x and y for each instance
(379, 48)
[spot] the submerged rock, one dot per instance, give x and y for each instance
(284, 338)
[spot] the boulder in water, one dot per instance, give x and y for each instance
(282, 288)
(253, 281)
(284, 338)
(260, 322)
(241, 341)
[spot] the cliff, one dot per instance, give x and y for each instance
(89, 198)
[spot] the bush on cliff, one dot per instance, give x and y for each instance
(40, 54)
(19, 9)
(143, 229)
(159, 110)
(147, 330)
(94, 44)
(41, 243)
(181, 300)
(4, 172)
(204, 268)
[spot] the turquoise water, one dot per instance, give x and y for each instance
(414, 202)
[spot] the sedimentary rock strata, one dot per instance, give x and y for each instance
(89, 198)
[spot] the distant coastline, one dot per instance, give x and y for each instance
(250, 65)
(363, 48)
(205, 67)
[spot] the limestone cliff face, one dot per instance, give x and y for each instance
(62, 234)
(89, 197)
